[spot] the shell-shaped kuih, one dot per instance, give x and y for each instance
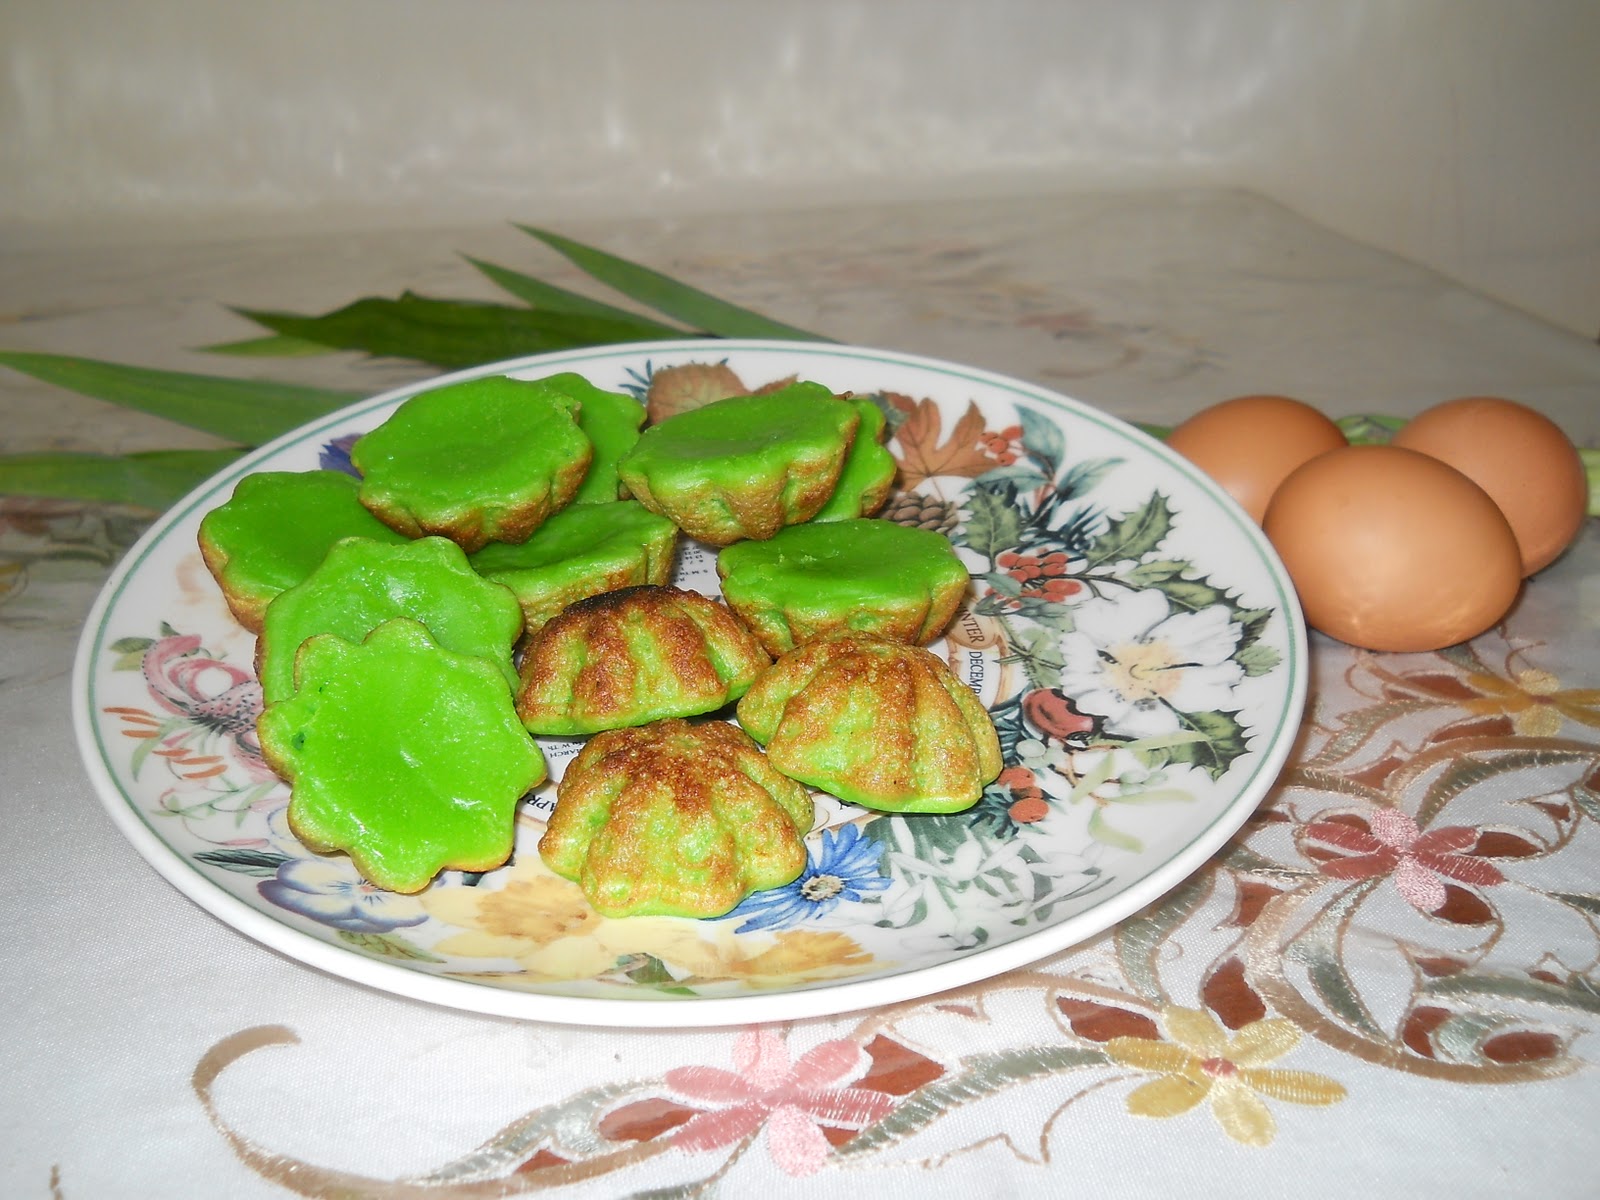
(636, 655)
(874, 722)
(677, 819)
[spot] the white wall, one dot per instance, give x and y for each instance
(1462, 133)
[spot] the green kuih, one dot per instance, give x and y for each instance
(634, 656)
(484, 460)
(675, 819)
(744, 467)
(406, 756)
(274, 530)
(877, 723)
(611, 421)
(868, 473)
(363, 583)
(585, 549)
(863, 574)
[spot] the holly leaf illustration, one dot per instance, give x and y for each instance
(1221, 740)
(923, 455)
(1257, 660)
(1132, 535)
(993, 523)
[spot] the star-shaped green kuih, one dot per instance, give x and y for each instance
(404, 755)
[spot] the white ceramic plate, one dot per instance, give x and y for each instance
(1131, 632)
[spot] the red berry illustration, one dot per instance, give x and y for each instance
(1051, 712)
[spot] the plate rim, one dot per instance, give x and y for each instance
(655, 1010)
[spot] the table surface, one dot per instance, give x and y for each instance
(1389, 977)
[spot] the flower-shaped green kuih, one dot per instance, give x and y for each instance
(611, 421)
(745, 466)
(484, 460)
(274, 530)
(362, 583)
(861, 575)
(584, 550)
(404, 755)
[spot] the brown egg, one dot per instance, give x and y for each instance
(1520, 457)
(1249, 444)
(1393, 550)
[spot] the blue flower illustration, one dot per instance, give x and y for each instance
(844, 867)
(335, 455)
(332, 892)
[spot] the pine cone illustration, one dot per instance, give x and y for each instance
(922, 512)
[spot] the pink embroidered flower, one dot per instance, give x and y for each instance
(1417, 860)
(792, 1101)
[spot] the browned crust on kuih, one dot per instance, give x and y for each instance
(634, 655)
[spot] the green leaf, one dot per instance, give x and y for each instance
(272, 346)
(1134, 535)
(1042, 438)
(1579, 901)
(1107, 835)
(980, 1075)
(1257, 660)
(387, 945)
(1083, 477)
(551, 298)
(261, 863)
(1578, 995)
(1464, 773)
(1317, 949)
(1141, 939)
(1252, 623)
(248, 411)
(451, 333)
(514, 1144)
(1222, 739)
(1039, 652)
(994, 525)
(667, 295)
(1364, 429)
(152, 479)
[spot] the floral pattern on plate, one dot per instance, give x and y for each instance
(1131, 635)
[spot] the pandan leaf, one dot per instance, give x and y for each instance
(153, 479)
(1369, 429)
(248, 411)
(550, 298)
(451, 333)
(272, 346)
(667, 295)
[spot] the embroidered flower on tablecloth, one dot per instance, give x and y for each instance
(1416, 860)
(792, 1100)
(1534, 700)
(1203, 1062)
(842, 869)
(1138, 664)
